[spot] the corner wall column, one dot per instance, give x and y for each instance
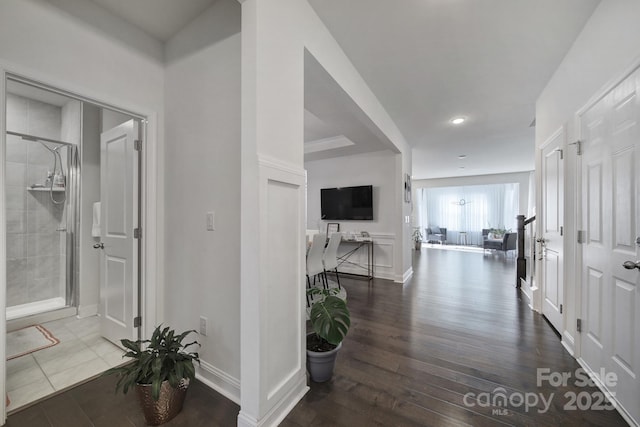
(272, 287)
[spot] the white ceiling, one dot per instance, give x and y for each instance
(427, 61)
(161, 19)
(430, 60)
(334, 125)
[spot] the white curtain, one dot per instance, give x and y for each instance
(531, 209)
(468, 209)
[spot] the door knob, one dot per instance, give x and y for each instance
(98, 246)
(630, 265)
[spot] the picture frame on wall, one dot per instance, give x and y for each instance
(332, 227)
(407, 188)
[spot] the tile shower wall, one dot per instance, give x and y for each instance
(35, 250)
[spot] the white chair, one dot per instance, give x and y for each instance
(330, 258)
(314, 260)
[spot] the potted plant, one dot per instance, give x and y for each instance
(160, 371)
(417, 238)
(498, 233)
(330, 320)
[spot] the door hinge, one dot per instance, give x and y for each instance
(578, 145)
(559, 150)
(561, 230)
(579, 325)
(137, 233)
(137, 145)
(137, 322)
(560, 308)
(581, 238)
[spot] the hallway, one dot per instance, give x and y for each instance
(413, 352)
(457, 326)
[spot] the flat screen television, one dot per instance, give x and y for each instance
(347, 203)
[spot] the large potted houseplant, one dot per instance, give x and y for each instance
(160, 371)
(330, 320)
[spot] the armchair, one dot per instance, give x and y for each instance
(507, 243)
(436, 235)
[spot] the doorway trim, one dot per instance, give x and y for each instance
(600, 93)
(558, 138)
(151, 295)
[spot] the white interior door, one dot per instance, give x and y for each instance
(610, 297)
(118, 217)
(552, 230)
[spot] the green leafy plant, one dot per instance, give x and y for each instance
(417, 235)
(499, 232)
(161, 358)
(330, 317)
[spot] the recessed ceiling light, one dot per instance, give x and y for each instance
(462, 156)
(457, 120)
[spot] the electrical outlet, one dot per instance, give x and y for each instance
(211, 221)
(203, 326)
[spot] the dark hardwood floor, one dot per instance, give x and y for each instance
(426, 353)
(458, 326)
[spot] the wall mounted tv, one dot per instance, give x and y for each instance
(347, 203)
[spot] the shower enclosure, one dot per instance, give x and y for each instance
(41, 200)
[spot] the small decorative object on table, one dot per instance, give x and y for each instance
(161, 373)
(332, 227)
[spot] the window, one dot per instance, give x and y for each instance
(468, 208)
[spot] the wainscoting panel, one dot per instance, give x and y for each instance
(282, 356)
(384, 246)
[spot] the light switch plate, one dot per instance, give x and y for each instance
(203, 326)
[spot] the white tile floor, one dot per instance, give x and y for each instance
(81, 354)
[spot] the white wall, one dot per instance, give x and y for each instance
(275, 34)
(89, 265)
(608, 45)
(203, 174)
(377, 169)
(404, 164)
(42, 42)
(62, 50)
(111, 119)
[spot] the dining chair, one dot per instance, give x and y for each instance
(330, 258)
(315, 266)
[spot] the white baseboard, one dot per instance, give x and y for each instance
(275, 416)
(387, 275)
(87, 310)
(218, 380)
(406, 276)
(608, 394)
(568, 347)
(525, 288)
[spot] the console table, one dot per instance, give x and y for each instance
(354, 247)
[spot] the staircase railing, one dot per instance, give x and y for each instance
(525, 233)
